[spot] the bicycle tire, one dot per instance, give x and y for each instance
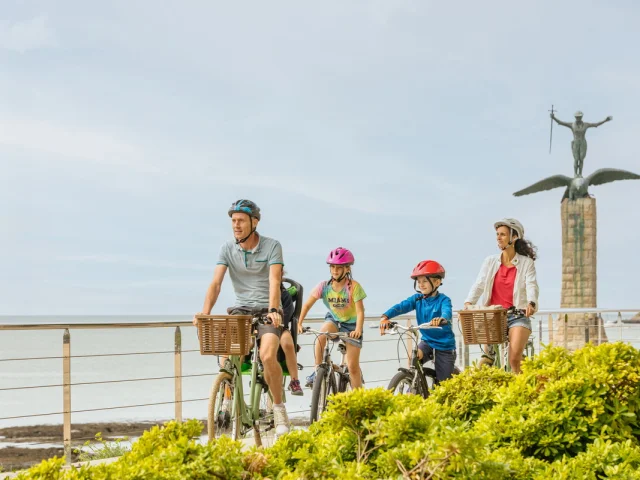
(407, 378)
(265, 421)
(344, 384)
(216, 425)
(322, 387)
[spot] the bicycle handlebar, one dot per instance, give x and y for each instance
(328, 334)
(396, 326)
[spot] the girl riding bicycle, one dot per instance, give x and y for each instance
(509, 279)
(343, 297)
(434, 308)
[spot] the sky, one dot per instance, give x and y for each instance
(398, 129)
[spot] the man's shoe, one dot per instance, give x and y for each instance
(281, 420)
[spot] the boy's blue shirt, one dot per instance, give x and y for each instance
(426, 310)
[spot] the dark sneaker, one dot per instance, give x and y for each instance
(296, 389)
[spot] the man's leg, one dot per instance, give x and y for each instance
(269, 343)
(268, 349)
(286, 342)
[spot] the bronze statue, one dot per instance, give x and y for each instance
(578, 187)
(579, 143)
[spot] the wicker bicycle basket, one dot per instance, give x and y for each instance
(224, 334)
(483, 327)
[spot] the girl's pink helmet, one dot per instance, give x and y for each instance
(340, 256)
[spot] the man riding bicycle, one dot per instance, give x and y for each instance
(255, 265)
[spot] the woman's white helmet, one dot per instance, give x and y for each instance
(511, 223)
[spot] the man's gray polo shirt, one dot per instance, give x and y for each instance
(249, 270)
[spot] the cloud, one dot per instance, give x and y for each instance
(27, 35)
(72, 143)
(131, 260)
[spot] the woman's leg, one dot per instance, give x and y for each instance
(518, 337)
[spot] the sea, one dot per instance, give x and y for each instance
(127, 374)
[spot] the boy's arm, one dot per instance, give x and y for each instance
(446, 312)
(401, 308)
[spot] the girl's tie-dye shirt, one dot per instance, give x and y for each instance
(342, 304)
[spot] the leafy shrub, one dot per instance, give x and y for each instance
(561, 403)
(566, 416)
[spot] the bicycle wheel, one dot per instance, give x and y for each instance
(263, 428)
(401, 384)
(344, 382)
(220, 409)
(323, 386)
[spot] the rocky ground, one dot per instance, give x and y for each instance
(15, 457)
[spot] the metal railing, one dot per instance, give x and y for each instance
(556, 320)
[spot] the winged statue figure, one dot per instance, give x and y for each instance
(578, 187)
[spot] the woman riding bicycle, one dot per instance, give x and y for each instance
(343, 297)
(509, 279)
(434, 308)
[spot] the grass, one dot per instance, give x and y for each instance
(102, 449)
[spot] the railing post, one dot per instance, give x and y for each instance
(600, 327)
(409, 343)
(566, 320)
(550, 329)
(177, 366)
(620, 323)
(66, 394)
(586, 329)
(539, 335)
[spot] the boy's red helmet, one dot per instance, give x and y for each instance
(428, 268)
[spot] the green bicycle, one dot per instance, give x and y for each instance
(228, 412)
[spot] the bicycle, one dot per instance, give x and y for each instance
(489, 327)
(330, 378)
(417, 379)
(228, 412)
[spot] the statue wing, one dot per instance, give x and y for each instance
(606, 175)
(546, 184)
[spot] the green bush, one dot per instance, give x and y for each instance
(561, 403)
(566, 416)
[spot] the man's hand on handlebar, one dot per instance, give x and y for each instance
(275, 318)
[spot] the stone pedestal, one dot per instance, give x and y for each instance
(579, 274)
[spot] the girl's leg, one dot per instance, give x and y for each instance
(322, 339)
(353, 364)
(518, 337)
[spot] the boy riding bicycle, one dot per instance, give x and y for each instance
(434, 308)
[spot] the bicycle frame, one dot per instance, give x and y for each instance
(249, 413)
(416, 369)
